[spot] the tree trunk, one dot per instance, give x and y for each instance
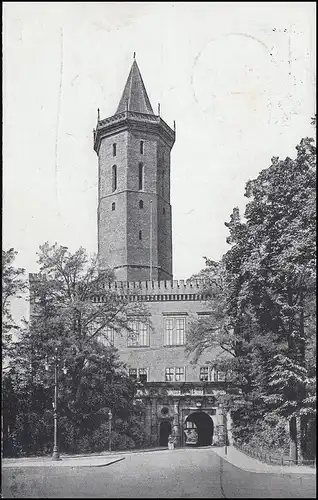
(304, 437)
(293, 454)
(311, 441)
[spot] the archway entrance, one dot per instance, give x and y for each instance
(165, 430)
(203, 425)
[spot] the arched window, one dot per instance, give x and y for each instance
(114, 178)
(140, 176)
(141, 204)
(113, 206)
(114, 149)
(140, 235)
(163, 211)
(141, 147)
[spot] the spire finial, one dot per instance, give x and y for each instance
(134, 55)
(174, 125)
(158, 108)
(98, 115)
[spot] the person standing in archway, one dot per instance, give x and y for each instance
(171, 441)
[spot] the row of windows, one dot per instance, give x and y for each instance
(208, 374)
(178, 374)
(141, 148)
(139, 373)
(174, 333)
(140, 177)
(175, 374)
(138, 336)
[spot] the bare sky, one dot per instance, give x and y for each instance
(238, 78)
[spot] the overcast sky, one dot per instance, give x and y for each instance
(238, 78)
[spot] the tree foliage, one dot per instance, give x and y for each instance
(262, 302)
(73, 311)
(13, 286)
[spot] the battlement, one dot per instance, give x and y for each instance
(145, 287)
(157, 287)
(148, 290)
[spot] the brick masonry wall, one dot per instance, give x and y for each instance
(112, 233)
(157, 357)
(119, 245)
(164, 212)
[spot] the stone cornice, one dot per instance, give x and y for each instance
(135, 121)
(183, 390)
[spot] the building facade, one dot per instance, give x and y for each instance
(134, 214)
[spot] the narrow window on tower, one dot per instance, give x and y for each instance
(114, 178)
(114, 149)
(140, 176)
(113, 206)
(140, 235)
(163, 183)
(141, 147)
(141, 204)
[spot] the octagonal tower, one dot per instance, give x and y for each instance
(134, 210)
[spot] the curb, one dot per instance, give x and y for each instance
(265, 469)
(92, 456)
(100, 465)
(122, 452)
(62, 463)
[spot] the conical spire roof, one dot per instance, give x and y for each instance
(135, 97)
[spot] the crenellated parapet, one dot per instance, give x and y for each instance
(154, 286)
(157, 287)
(153, 291)
(147, 291)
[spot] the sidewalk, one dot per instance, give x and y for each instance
(249, 464)
(234, 457)
(83, 460)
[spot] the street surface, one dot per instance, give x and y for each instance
(181, 473)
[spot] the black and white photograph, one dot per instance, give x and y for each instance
(159, 250)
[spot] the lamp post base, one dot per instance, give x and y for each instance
(56, 454)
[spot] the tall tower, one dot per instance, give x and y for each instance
(134, 211)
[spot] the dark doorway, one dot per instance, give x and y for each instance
(165, 430)
(204, 426)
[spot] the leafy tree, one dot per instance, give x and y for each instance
(13, 286)
(73, 310)
(281, 222)
(263, 314)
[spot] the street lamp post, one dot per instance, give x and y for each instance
(110, 416)
(225, 430)
(56, 453)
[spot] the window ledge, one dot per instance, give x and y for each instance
(174, 345)
(137, 346)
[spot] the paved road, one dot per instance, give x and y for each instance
(183, 473)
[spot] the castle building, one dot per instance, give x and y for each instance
(135, 239)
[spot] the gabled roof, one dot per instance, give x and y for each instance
(134, 97)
